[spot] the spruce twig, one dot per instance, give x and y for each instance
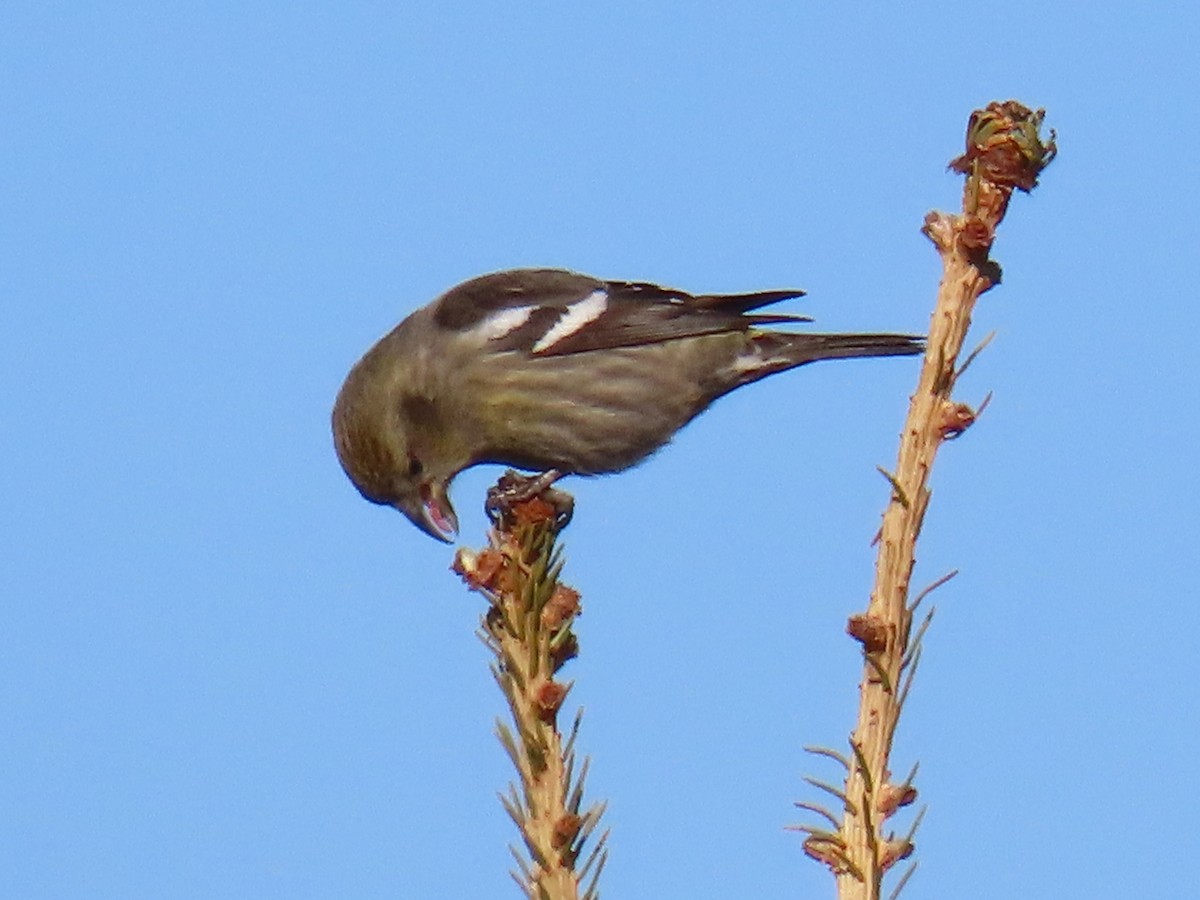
(1005, 152)
(528, 629)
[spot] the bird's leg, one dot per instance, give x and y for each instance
(514, 488)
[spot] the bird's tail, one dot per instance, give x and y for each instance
(775, 351)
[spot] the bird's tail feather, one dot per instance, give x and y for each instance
(775, 351)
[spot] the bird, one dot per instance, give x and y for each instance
(554, 371)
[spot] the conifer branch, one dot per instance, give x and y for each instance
(528, 629)
(1004, 152)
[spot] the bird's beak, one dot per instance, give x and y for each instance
(436, 516)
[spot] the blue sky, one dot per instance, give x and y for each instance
(224, 675)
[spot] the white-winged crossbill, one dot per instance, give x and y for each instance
(545, 369)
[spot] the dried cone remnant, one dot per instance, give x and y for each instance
(1004, 152)
(528, 628)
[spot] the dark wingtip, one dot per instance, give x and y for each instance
(742, 303)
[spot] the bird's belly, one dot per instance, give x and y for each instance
(588, 413)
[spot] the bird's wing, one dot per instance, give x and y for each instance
(550, 312)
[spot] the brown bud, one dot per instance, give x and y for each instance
(562, 606)
(534, 511)
(976, 235)
(891, 852)
(893, 796)
(549, 696)
(481, 571)
(954, 419)
(1004, 146)
(565, 830)
(869, 630)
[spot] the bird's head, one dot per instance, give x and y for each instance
(396, 458)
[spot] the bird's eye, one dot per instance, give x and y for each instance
(415, 467)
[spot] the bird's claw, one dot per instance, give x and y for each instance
(513, 488)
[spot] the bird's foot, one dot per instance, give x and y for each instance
(514, 489)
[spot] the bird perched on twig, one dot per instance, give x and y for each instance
(550, 370)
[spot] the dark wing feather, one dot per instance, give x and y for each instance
(634, 313)
(640, 313)
(471, 302)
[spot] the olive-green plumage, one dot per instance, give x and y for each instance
(546, 369)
